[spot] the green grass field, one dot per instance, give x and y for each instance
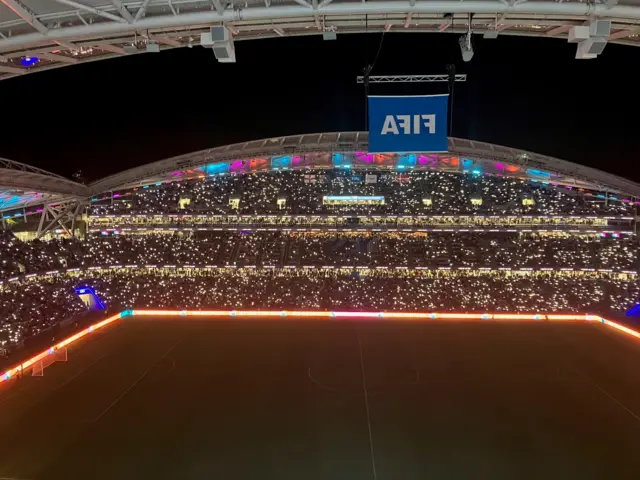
(206, 399)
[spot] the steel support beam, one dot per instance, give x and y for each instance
(168, 41)
(58, 58)
(623, 34)
(43, 217)
(27, 15)
(172, 8)
(67, 45)
(572, 9)
(123, 10)
(90, 9)
(62, 215)
(111, 48)
(217, 4)
(82, 19)
(141, 11)
(407, 20)
(6, 69)
(558, 30)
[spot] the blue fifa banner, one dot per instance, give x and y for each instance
(408, 124)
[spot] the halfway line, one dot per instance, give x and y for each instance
(366, 407)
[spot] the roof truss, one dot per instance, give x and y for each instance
(77, 29)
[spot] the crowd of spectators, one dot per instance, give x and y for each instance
(408, 270)
(267, 248)
(197, 221)
(29, 305)
(414, 192)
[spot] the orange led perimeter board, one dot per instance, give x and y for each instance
(12, 372)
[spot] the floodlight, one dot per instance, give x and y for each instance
(465, 43)
(465, 47)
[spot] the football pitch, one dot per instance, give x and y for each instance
(196, 398)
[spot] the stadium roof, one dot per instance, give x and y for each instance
(22, 186)
(67, 32)
(323, 150)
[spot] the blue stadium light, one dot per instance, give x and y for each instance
(476, 171)
(538, 173)
(29, 61)
(216, 168)
(634, 311)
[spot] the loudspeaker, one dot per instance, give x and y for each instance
(579, 33)
(221, 42)
(600, 28)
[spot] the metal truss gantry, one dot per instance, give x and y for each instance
(411, 78)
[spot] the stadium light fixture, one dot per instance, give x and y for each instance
(465, 43)
(29, 61)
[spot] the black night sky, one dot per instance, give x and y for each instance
(527, 93)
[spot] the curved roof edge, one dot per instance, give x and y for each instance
(22, 185)
(463, 155)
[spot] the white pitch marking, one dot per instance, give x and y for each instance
(130, 387)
